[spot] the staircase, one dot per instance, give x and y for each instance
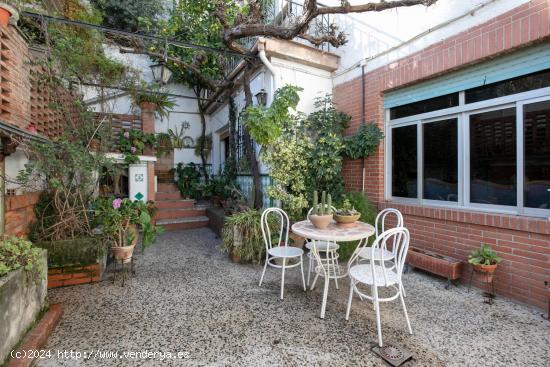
(175, 213)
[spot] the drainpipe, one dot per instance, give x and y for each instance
(268, 65)
(363, 113)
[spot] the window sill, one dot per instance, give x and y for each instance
(473, 216)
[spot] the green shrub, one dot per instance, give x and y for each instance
(78, 251)
(361, 203)
(18, 253)
(242, 235)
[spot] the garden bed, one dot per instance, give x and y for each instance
(76, 261)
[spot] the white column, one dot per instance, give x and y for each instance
(137, 181)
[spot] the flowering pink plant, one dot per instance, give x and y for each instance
(117, 203)
(126, 134)
(133, 149)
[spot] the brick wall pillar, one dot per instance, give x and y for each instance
(147, 117)
(151, 181)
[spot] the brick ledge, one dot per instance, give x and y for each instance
(505, 221)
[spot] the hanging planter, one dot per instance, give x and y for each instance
(6, 12)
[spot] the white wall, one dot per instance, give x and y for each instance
(372, 35)
(185, 110)
(14, 163)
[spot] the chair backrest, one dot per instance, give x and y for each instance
(399, 238)
(282, 223)
(319, 205)
(381, 224)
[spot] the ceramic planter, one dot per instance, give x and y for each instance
(6, 12)
(488, 270)
(123, 254)
(320, 221)
(346, 221)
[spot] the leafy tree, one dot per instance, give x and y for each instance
(129, 15)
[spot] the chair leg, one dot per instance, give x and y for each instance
(302, 270)
(325, 294)
(378, 322)
(333, 253)
(402, 290)
(309, 270)
(350, 298)
(283, 279)
(406, 314)
(263, 272)
(314, 281)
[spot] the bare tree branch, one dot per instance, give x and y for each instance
(247, 28)
(195, 69)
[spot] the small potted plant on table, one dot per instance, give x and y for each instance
(485, 260)
(321, 215)
(346, 216)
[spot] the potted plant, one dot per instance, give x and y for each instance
(121, 220)
(8, 10)
(485, 260)
(152, 99)
(242, 237)
(321, 215)
(346, 216)
(132, 143)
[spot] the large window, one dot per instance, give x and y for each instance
(490, 153)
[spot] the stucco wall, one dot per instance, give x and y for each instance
(21, 301)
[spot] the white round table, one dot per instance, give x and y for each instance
(333, 233)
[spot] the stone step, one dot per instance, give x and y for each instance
(167, 187)
(179, 213)
(183, 223)
(160, 196)
(175, 204)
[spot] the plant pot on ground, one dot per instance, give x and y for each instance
(485, 261)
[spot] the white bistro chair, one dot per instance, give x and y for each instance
(282, 250)
(377, 274)
(381, 225)
(328, 249)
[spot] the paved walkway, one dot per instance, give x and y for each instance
(187, 297)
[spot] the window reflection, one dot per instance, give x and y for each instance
(440, 160)
(493, 157)
(404, 166)
(536, 130)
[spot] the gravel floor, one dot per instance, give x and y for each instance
(187, 297)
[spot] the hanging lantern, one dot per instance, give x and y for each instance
(261, 97)
(161, 73)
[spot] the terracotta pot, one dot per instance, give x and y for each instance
(234, 257)
(488, 270)
(148, 106)
(5, 15)
(346, 221)
(320, 221)
(297, 241)
(123, 254)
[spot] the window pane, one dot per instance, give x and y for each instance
(536, 130)
(441, 160)
(493, 157)
(510, 86)
(427, 105)
(404, 156)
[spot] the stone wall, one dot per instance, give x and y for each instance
(22, 299)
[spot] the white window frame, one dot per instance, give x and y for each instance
(462, 113)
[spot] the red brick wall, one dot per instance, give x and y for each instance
(20, 213)
(14, 82)
(524, 243)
